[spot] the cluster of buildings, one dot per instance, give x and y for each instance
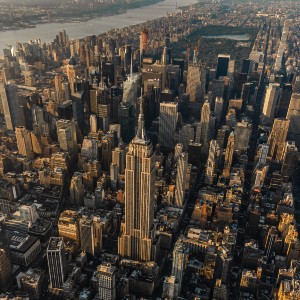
(128, 173)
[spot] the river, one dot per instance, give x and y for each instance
(47, 32)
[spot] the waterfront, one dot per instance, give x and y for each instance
(47, 32)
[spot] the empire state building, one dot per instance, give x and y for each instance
(137, 232)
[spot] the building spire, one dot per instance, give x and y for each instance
(131, 69)
(195, 57)
(141, 133)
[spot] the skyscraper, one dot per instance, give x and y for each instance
(228, 155)
(223, 64)
(277, 138)
(137, 236)
(203, 133)
(180, 257)
(5, 271)
(293, 115)
(10, 105)
(66, 132)
(271, 98)
(182, 164)
(87, 234)
(77, 189)
(143, 42)
(219, 109)
(168, 119)
(289, 158)
(23, 141)
(212, 162)
(4, 244)
(196, 80)
(56, 262)
(107, 281)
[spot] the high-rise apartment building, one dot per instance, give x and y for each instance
(10, 105)
(107, 281)
(56, 262)
(144, 42)
(137, 236)
(168, 119)
(293, 115)
(277, 138)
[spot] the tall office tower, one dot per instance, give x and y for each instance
(247, 66)
(57, 264)
(203, 134)
(223, 64)
(137, 236)
(93, 123)
(107, 281)
(23, 141)
(222, 137)
(180, 258)
(10, 105)
(178, 151)
(68, 226)
(144, 42)
(72, 71)
(86, 226)
(168, 119)
(212, 162)
(4, 242)
(118, 158)
(218, 111)
(294, 115)
(66, 133)
(289, 158)
(5, 271)
(90, 148)
(271, 98)
(103, 106)
(196, 81)
(77, 189)
(277, 138)
(284, 101)
(229, 155)
(107, 146)
(182, 165)
(127, 121)
(242, 134)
